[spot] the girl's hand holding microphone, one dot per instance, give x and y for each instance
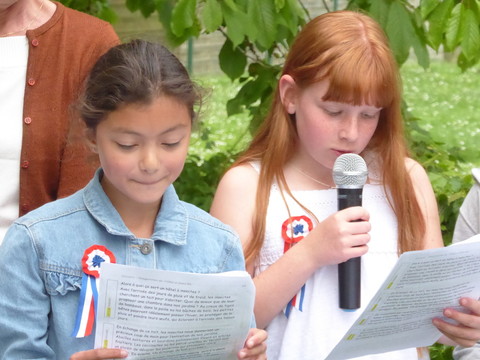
(340, 237)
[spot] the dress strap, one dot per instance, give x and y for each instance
(476, 174)
(255, 165)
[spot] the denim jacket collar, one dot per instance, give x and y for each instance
(170, 226)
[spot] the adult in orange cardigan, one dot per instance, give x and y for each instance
(46, 51)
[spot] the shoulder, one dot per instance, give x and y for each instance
(235, 199)
(80, 18)
(413, 166)
(416, 171)
(84, 24)
(47, 229)
(236, 192)
(218, 242)
(420, 180)
(200, 218)
(85, 28)
(240, 177)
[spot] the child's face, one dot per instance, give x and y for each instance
(327, 129)
(142, 150)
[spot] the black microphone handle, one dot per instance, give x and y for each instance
(349, 197)
(349, 272)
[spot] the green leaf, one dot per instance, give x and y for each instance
(471, 36)
(183, 16)
(147, 7)
(232, 60)
(263, 15)
(400, 31)
(454, 27)
(250, 92)
(284, 37)
(379, 11)
(212, 15)
(420, 49)
(279, 4)
(419, 42)
(437, 20)
(231, 5)
(255, 93)
(236, 22)
(473, 5)
(164, 12)
(133, 5)
(291, 16)
(427, 6)
(297, 9)
(464, 63)
(108, 14)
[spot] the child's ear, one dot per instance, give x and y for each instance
(90, 140)
(288, 93)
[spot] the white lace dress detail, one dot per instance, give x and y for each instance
(312, 333)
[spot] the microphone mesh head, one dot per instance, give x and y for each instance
(350, 171)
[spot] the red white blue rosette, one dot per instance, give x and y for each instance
(92, 260)
(295, 229)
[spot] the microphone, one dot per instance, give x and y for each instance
(349, 174)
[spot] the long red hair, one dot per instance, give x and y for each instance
(351, 51)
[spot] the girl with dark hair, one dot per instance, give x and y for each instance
(339, 92)
(139, 106)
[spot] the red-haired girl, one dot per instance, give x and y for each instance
(339, 92)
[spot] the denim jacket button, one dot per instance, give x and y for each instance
(146, 248)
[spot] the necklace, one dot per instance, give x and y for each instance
(28, 25)
(313, 179)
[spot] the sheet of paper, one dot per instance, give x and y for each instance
(156, 314)
(418, 288)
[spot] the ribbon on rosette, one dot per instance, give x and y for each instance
(92, 260)
(294, 229)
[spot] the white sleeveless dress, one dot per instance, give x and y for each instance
(312, 333)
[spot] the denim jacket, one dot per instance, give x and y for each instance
(40, 263)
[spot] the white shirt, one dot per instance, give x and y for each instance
(13, 70)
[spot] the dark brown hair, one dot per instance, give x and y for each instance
(136, 72)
